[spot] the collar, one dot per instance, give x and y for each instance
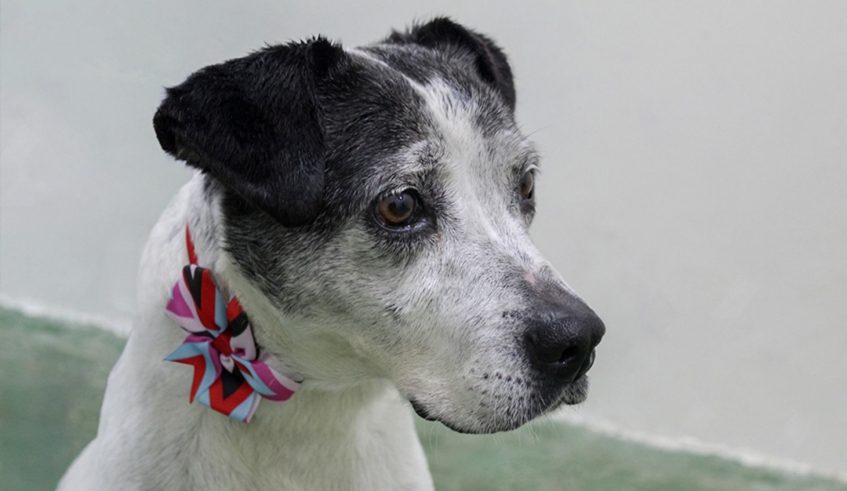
(231, 371)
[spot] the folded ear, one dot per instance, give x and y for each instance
(491, 63)
(254, 123)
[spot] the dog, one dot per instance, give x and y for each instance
(369, 207)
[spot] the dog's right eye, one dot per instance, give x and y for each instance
(397, 210)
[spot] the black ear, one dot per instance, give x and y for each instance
(491, 63)
(255, 124)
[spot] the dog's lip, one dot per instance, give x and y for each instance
(423, 413)
(586, 366)
(577, 393)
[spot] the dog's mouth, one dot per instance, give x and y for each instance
(575, 393)
(421, 411)
(484, 419)
(424, 414)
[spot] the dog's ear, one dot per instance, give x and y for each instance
(442, 33)
(255, 124)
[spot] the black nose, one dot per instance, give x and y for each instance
(560, 343)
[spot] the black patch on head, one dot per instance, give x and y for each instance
(255, 124)
(442, 33)
(375, 116)
(312, 136)
(370, 114)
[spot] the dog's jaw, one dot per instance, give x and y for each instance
(508, 415)
(489, 398)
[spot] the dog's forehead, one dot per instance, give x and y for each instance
(451, 73)
(370, 110)
(404, 110)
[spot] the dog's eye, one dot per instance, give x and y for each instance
(397, 210)
(526, 185)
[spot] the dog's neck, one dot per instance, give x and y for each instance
(328, 425)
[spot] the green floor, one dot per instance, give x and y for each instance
(53, 378)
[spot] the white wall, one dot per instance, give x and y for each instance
(693, 186)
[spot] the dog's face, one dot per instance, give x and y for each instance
(378, 201)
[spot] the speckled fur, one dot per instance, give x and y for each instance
(371, 318)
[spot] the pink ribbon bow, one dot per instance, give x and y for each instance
(229, 372)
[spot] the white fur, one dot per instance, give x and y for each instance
(357, 437)
(451, 341)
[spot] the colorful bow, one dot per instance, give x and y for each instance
(229, 373)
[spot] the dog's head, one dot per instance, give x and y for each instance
(375, 205)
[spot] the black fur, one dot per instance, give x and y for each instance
(443, 34)
(334, 121)
(255, 124)
(273, 124)
(369, 114)
(308, 135)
